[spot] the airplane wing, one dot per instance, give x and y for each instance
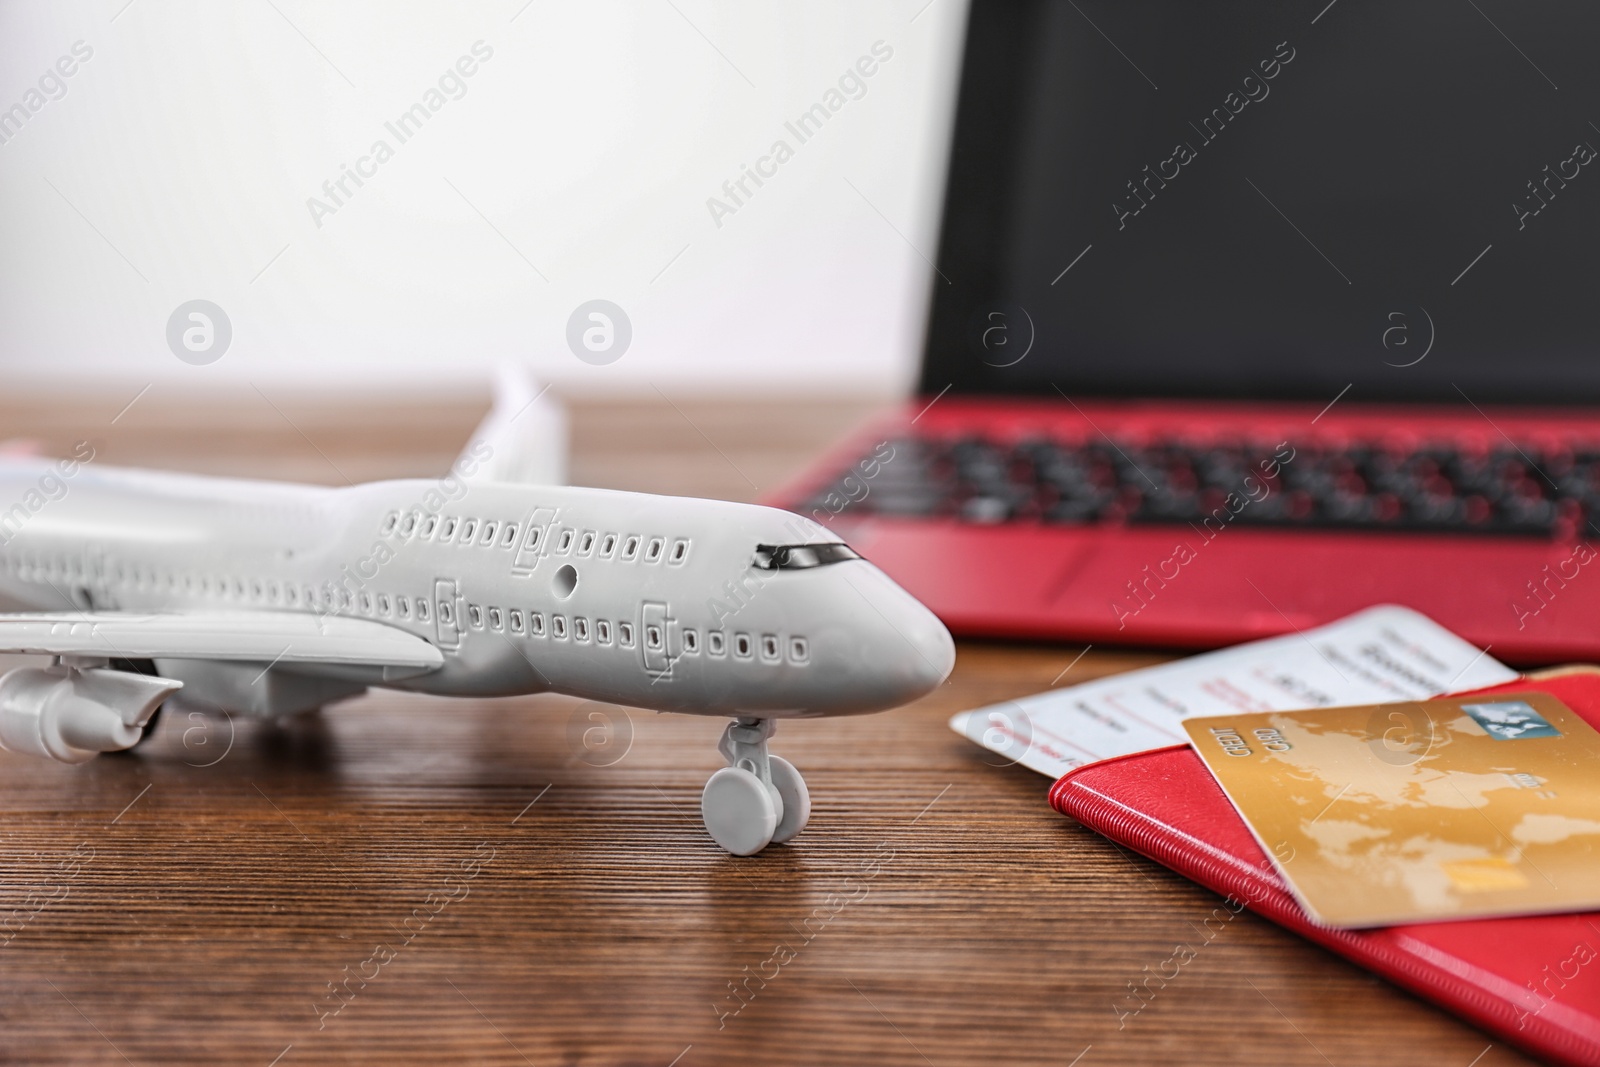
(299, 643)
(522, 440)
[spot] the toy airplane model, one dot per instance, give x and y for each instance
(270, 599)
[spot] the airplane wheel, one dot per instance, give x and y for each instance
(796, 799)
(739, 812)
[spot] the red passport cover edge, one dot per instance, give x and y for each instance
(1166, 805)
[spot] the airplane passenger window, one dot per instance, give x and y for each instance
(558, 626)
(652, 637)
(565, 544)
(448, 530)
(691, 641)
(580, 628)
(516, 621)
(366, 603)
(769, 647)
(602, 632)
(428, 526)
(475, 616)
(680, 550)
(422, 608)
(799, 649)
(495, 621)
(408, 525)
(630, 549)
(489, 530)
(653, 553)
(469, 527)
(625, 634)
(741, 646)
(389, 522)
(509, 538)
(405, 608)
(586, 546)
(383, 604)
(536, 623)
(446, 612)
(608, 546)
(715, 642)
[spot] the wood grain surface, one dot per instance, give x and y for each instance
(403, 879)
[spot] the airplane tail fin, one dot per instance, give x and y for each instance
(524, 434)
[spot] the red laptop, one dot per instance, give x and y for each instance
(1250, 315)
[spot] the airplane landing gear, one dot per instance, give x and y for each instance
(758, 798)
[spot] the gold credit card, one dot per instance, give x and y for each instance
(1451, 808)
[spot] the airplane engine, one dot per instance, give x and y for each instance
(72, 715)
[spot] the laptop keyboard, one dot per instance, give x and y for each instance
(1515, 490)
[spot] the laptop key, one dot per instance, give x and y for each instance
(1079, 511)
(987, 509)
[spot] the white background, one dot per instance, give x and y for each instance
(179, 162)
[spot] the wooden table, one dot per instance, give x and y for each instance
(413, 880)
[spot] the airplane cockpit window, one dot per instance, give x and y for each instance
(801, 557)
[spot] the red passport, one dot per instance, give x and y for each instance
(1533, 980)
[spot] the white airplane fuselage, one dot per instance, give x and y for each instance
(652, 601)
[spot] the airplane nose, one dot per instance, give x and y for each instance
(897, 649)
(934, 650)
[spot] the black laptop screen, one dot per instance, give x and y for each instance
(1230, 198)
